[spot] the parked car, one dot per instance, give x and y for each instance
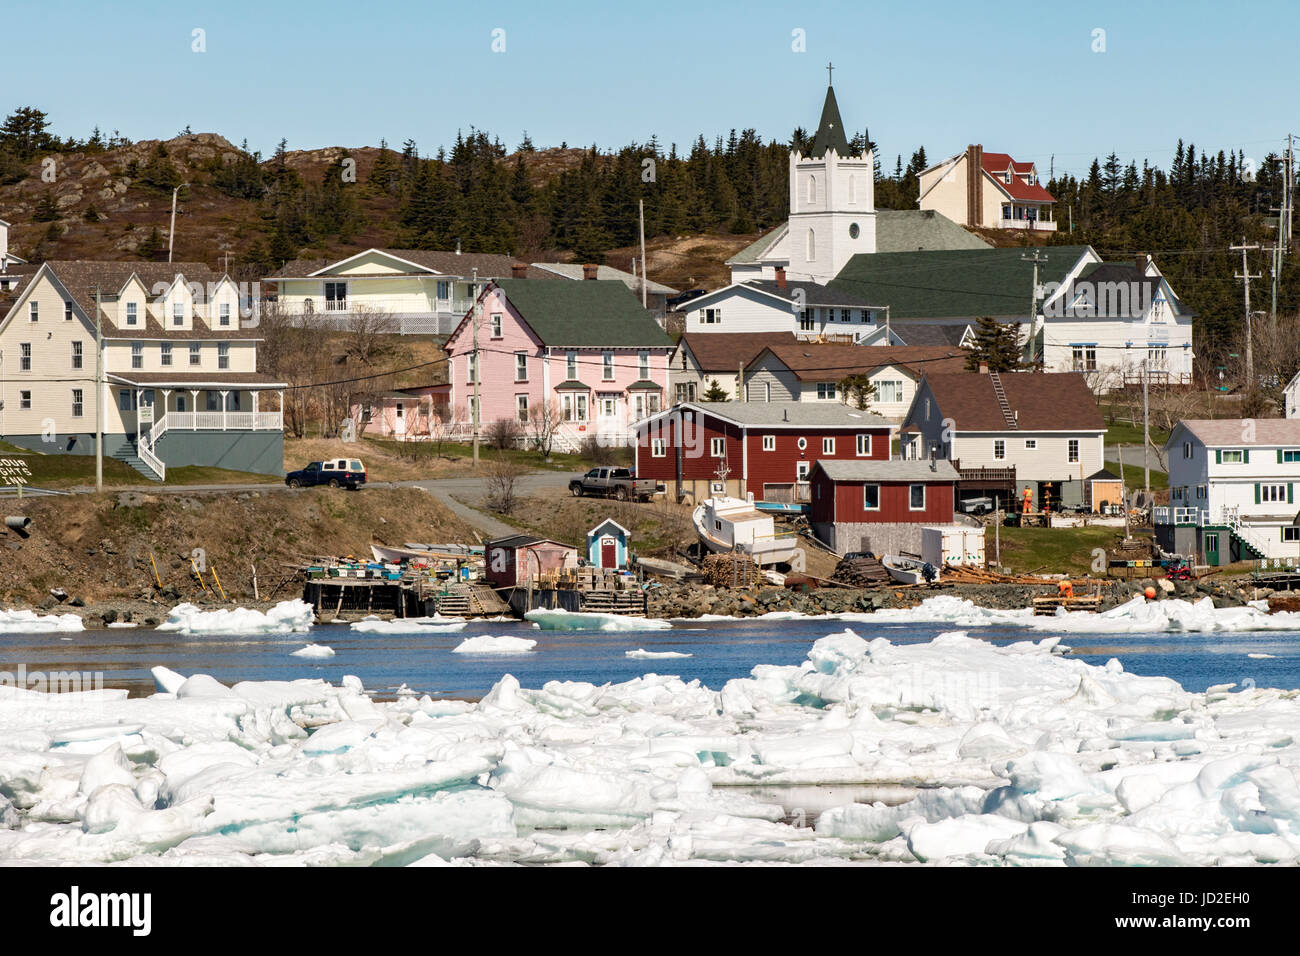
(619, 482)
(679, 300)
(336, 472)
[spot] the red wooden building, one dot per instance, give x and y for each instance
(880, 506)
(512, 561)
(767, 449)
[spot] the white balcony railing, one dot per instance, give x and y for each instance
(1163, 515)
(1036, 225)
(218, 421)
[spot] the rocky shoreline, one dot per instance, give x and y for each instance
(695, 600)
(674, 600)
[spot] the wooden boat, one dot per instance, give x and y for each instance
(733, 524)
(780, 507)
(670, 569)
(907, 570)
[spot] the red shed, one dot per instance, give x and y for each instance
(512, 561)
(880, 506)
(766, 449)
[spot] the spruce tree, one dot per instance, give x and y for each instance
(996, 345)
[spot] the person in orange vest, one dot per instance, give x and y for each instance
(1028, 504)
(1065, 589)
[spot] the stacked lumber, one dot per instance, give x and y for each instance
(860, 572)
(730, 570)
(965, 574)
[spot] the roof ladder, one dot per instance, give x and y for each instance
(1011, 419)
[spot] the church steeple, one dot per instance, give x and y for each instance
(830, 131)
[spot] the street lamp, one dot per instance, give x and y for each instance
(171, 232)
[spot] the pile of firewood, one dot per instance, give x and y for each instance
(860, 572)
(731, 570)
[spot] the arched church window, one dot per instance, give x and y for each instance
(812, 245)
(853, 188)
(812, 189)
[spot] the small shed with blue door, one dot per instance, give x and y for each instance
(607, 545)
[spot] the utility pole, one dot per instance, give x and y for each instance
(171, 230)
(641, 207)
(1123, 490)
(1036, 259)
(474, 292)
(1146, 435)
(1245, 276)
(99, 394)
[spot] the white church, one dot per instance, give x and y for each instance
(779, 283)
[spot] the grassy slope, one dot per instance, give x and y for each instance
(1051, 550)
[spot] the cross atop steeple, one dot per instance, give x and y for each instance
(830, 67)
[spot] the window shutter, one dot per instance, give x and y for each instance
(1279, 456)
(1290, 493)
(1257, 494)
(1245, 456)
(1218, 456)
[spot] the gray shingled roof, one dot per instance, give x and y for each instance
(573, 270)
(930, 333)
(1233, 432)
(896, 469)
(813, 293)
(913, 230)
(489, 265)
(807, 414)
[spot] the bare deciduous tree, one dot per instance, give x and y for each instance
(501, 478)
(543, 424)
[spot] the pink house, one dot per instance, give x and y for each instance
(408, 414)
(584, 353)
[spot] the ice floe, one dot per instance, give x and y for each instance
(557, 620)
(26, 622)
(488, 644)
(287, 617)
(409, 625)
(1014, 755)
(641, 654)
(313, 650)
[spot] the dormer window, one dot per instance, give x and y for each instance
(178, 313)
(223, 314)
(1006, 177)
(132, 313)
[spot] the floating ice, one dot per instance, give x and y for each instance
(556, 620)
(30, 621)
(409, 625)
(286, 617)
(487, 644)
(313, 650)
(1011, 754)
(641, 654)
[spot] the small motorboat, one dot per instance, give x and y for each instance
(910, 570)
(733, 524)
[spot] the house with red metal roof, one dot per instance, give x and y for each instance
(990, 190)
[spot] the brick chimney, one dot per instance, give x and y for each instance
(589, 270)
(780, 277)
(518, 270)
(1141, 263)
(974, 184)
(984, 368)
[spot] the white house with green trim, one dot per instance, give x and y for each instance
(1232, 490)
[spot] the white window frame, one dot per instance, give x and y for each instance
(78, 358)
(571, 366)
(826, 392)
(78, 403)
(521, 366)
(1072, 450)
(1225, 460)
(223, 355)
(223, 314)
(658, 448)
(335, 304)
(496, 325)
(607, 366)
(717, 447)
(25, 400)
(865, 505)
(643, 364)
(769, 443)
(864, 446)
(67, 310)
(910, 506)
(999, 449)
(132, 312)
(828, 446)
(178, 313)
(137, 355)
(196, 354)
(521, 408)
(1290, 533)
(1031, 444)
(33, 311)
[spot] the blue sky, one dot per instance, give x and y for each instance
(942, 74)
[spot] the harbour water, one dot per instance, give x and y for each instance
(720, 650)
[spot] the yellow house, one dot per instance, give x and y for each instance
(412, 291)
(990, 190)
(180, 384)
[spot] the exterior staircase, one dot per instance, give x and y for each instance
(127, 455)
(1244, 538)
